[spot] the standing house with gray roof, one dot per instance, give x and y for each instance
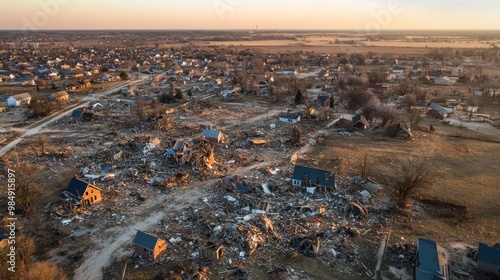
(149, 246)
(81, 193)
(19, 100)
(60, 96)
(431, 262)
(214, 136)
(488, 259)
(312, 177)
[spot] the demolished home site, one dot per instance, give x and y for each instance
(232, 163)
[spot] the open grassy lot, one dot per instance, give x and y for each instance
(465, 172)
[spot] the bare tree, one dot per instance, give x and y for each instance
(404, 87)
(297, 135)
(364, 166)
(386, 113)
(414, 176)
(375, 109)
(25, 248)
(356, 97)
(27, 189)
(41, 141)
(414, 117)
(409, 101)
(141, 110)
(26, 267)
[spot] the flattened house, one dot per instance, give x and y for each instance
(358, 121)
(148, 245)
(81, 193)
(290, 117)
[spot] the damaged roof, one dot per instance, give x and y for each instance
(77, 113)
(316, 176)
(359, 119)
(75, 190)
(145, 240)
(489, 254)
(432, 261)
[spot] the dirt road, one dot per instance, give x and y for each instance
(112, 243)
(109, 245)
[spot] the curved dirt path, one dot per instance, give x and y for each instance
(110, 245)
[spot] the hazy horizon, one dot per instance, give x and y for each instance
(361, 15)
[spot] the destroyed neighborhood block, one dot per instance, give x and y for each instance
(290, 117)
(431, 261)
(312, 177)
(81, 193)
(214, 136)
(488, 259)
(149, 246)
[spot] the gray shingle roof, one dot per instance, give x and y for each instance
(209, 133)
(75, 191)
(145, 240)
(429, 266)
(488, 254)
(316, 176)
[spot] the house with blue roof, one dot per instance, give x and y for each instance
(488, 259)
(304, 176)
(431, 262)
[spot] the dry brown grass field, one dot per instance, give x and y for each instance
(464, 172)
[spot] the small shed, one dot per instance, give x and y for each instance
(148, 245)
(214, 136)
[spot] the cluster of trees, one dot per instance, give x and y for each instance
(26, 266)
(42, 107)
(175, 96)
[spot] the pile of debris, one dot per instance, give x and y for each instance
(241, 218)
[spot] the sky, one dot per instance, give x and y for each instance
(368, 15)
